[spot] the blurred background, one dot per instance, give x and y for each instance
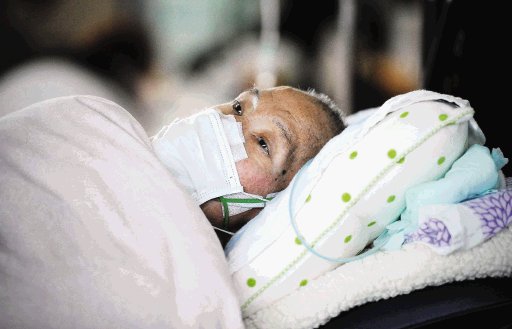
(161, 59)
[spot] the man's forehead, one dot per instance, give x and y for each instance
(276, 95)
(283, 106)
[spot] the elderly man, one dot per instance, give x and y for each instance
(231, 173)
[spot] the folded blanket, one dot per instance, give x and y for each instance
(381, 276)
(435, 214)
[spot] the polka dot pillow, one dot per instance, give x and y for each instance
(345, 197)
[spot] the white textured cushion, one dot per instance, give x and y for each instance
(348, 194)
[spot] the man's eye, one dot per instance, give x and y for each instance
(263, 145)
(237, 107)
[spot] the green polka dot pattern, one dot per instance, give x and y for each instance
(357, 182)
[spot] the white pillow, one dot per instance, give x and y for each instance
(94, 232)
(348, 194)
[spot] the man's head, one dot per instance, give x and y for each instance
(283, 128)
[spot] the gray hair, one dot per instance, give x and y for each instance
(336, 115)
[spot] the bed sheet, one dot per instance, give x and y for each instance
(95, 233)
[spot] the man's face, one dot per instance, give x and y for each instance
(283, 128)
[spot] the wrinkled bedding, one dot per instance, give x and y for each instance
(95, 233)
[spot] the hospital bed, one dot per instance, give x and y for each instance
(96, 233)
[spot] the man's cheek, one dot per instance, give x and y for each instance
(254, 179)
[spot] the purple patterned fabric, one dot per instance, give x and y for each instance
(433, 232)
(494, 211)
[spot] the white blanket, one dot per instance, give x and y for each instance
(94, 232)
(381, 276)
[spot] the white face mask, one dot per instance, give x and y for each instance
(201, 152)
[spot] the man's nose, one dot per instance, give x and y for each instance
(227, 110)
(224, 109)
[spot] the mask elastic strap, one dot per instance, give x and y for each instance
(224, 231)
(225, 208)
